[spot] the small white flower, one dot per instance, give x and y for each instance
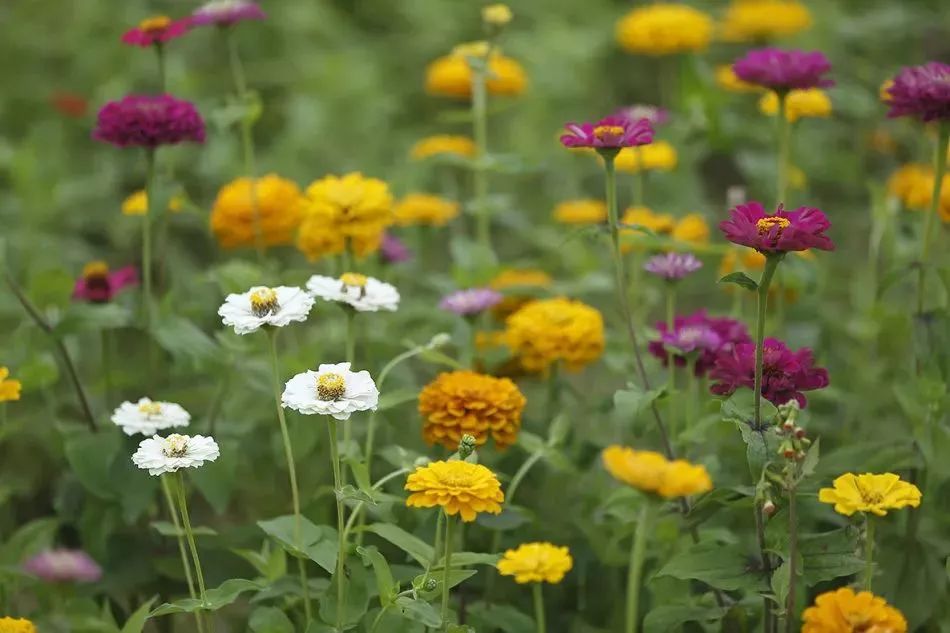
(147, 416)
(331, 390)
(167, 454)
(362, 293)
(261, 305)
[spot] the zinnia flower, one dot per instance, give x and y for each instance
(269, 204)
(922, 92)
(672, 266)
(461, 402)
(9, 388)
(137, 203)
(658, 156)
(757, 20)
(424, 208)
(870, 493)
(653, 473)
(636, 218)
(331, 390)
(443, 145)
(227, 12)
(63, 565)
(783, 231)
(510, 281)
(471, 301)
(726, 79)
(458, 487)
(100, 285)
(785, 374)
(451, 75)
(664, 29)
(913, 185)
(160, 455)
(249, 311)
(656, 115)
(536, 562)
(844, 611)
(149, 121)
(155, 30)
(148, 416)
(783, 70)
(586, 211)
(16, 625)
(558, 330)
(394, 250)
(699, 336)
(362, 293)
(496, 14)
(612, 132)
(692, 229)
(812, 103)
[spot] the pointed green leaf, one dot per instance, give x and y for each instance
(418, 549)
(740, 279)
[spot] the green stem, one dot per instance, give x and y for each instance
(635, 569)
(783, 148)
(771, 264)
(639, 180)
(670, 359)
(150, 211)
(691, 392)
(792, 559)
(480, 132)
(350, 358)
(539, 607)
(340, 575)
(362, 504)
(447, 562)
(190, 535)
(162, 74)
(173, 513)
(940, 166)
(868, 552)
(378, 619)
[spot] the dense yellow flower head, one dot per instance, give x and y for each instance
(913, 185)
(461, 402)
(727, 79)
(443, 144)
(691, 228)
(760, 20)
(9, 388)
(741, 259)
(341, 211)
(137, 203)
(509, 281)
(870, 493)
(451, 75)
(548, 331)
(659, 223)
(812, 103)
(16, 625)
(424, 208)
(657, 156)
(844, 611)
(651, 472)
(586, 211)
(664, 29)
(536, 562)
(458, 487)
(232, 216)
(496, 14)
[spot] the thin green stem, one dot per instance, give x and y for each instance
(635, 569)
(868, 552)
(350, 358)
(340, 575)
(192, 545)
(537, 590)
(670, 359)
(147, 217)
(771, 264)
(378, 619)
(792, 559)
(554, 391)
(447, 562)
(173, 513)
(940, 166)
(639, 179)
(162, 73)
(362, 504)
(480, 133)
(784, 130)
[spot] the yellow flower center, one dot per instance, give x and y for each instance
(331, 386)
(764, 225)
(605, 131)
(354, 279)
(155, 23)
(175, 445)
(264, 302)
(95, 269)
(150, 408)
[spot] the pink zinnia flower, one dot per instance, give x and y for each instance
(654, 114)
(782, 70)
(785, 374)
(394, 250)
(149, 121)
(471, 301)
(611, 132)
(672, 266)
(922, 92)
(99, 285)
(227, 12)
(779, 232)
(63, 565)
(700, 336)
(155, 30)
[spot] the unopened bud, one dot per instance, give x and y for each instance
(800, 455)
(768, 508)
(496, 15)
(419, 462)
(789, 453)
(439, 340)
(799, 432)
(430, 584)
(788, 425)
(467, 445)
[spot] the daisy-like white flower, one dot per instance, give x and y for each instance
(148, 416)
(362, 293)
(331, 390)
(261, 305)
(161, 455)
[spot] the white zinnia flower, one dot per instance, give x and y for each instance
(331, 390)
(261, 305)
(362, 293)
(147, 416)
(167, 454)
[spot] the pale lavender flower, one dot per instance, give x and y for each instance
(394, 250)
(672, 266)
(227, 12)
(63, 565)
(471, 301)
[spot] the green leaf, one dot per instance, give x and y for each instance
(418, 611)
(361, 475)
(356, 597)
(780, 582)
(672, 617)
(418, 549)
(90, 455)
(456, 577)
(83, 317)
(270, 562)
(270, 620)
(216, 481)
(395, 398)
(762, 443)
(384, 576)
(166, 528)
(32, 538)
(183, 339)
(510, 518)
(318, 542)
(530, 442)
(221, 596)
(349, 492)
(828, 556)
(136, 621)
(459, 628)
(464, 559)
(558, 430)
(631, 402)
(502, 617)
(727, 567)
(740, 279)
(810, 463)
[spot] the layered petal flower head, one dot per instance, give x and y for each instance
(155, 30)
(549, 331)
(331, 390)
(458, 487)
(612, 132)
(586, 211)
(844, 611)
(451, 75)
(757, 20)
(699, 338)
(922, 92)
(425, 209)
(664, 28)
(362, 293)
(653, 473)
(471, 301)
(785, 374)
(63, 565)
(657, 156)
(227, 12)
(269, 205)
(520, 286)
(809, 103)
(443, 145)
(100, 285)
(672, 266)
(779, 232)
(536, 562)
(16, 625)
(149, 121)
(393, 250)
(870, 493)
(160, 455)
(249, 311)
(9, 388)
(784, 70)
(148, 416)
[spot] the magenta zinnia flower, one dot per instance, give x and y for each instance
(785, 374)
(698, 336)
(654, 114)
(155, 30)
(922, 92)
(149, 121)
(227, 12)
(672, 266)
(99, 285)
(782, 70)
(63, 565)
(780, 232)
(394, 249)
(611, 132)
(471, 301)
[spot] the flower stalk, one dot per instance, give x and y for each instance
(635, 568)
(940, 166)
(173, 513)
(792, 556)
(784, 131)
(150, 210)
(446, 571)
(190, 536)
(868, 552)
(340, 575)
(538, 592)
(480, 134)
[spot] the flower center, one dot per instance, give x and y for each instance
(764, 225)
(264, 302)
(353, 279)
(155, 24)
(330, 386)
(95, 270)
(175, 445)
(608, 132)
(150, 409)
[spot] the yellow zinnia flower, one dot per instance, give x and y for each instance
(759, 20)
(812, 103)
(451, 75)
(691, 228)
(870, 493)
(587, 211)
(458, 487)
(16, 625)
(664, 29)
(913, 184)
(727, 79)
(508, 281)
(461, 402)
(496, 14)
(548, 331)
(536, 562)
(440, 144)
(9, 388)
(843, 611)
(137, 203)
(741, 259)
(657, 156)
(651, 472)
(659, 223)
(233, 213)
(424, 208)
